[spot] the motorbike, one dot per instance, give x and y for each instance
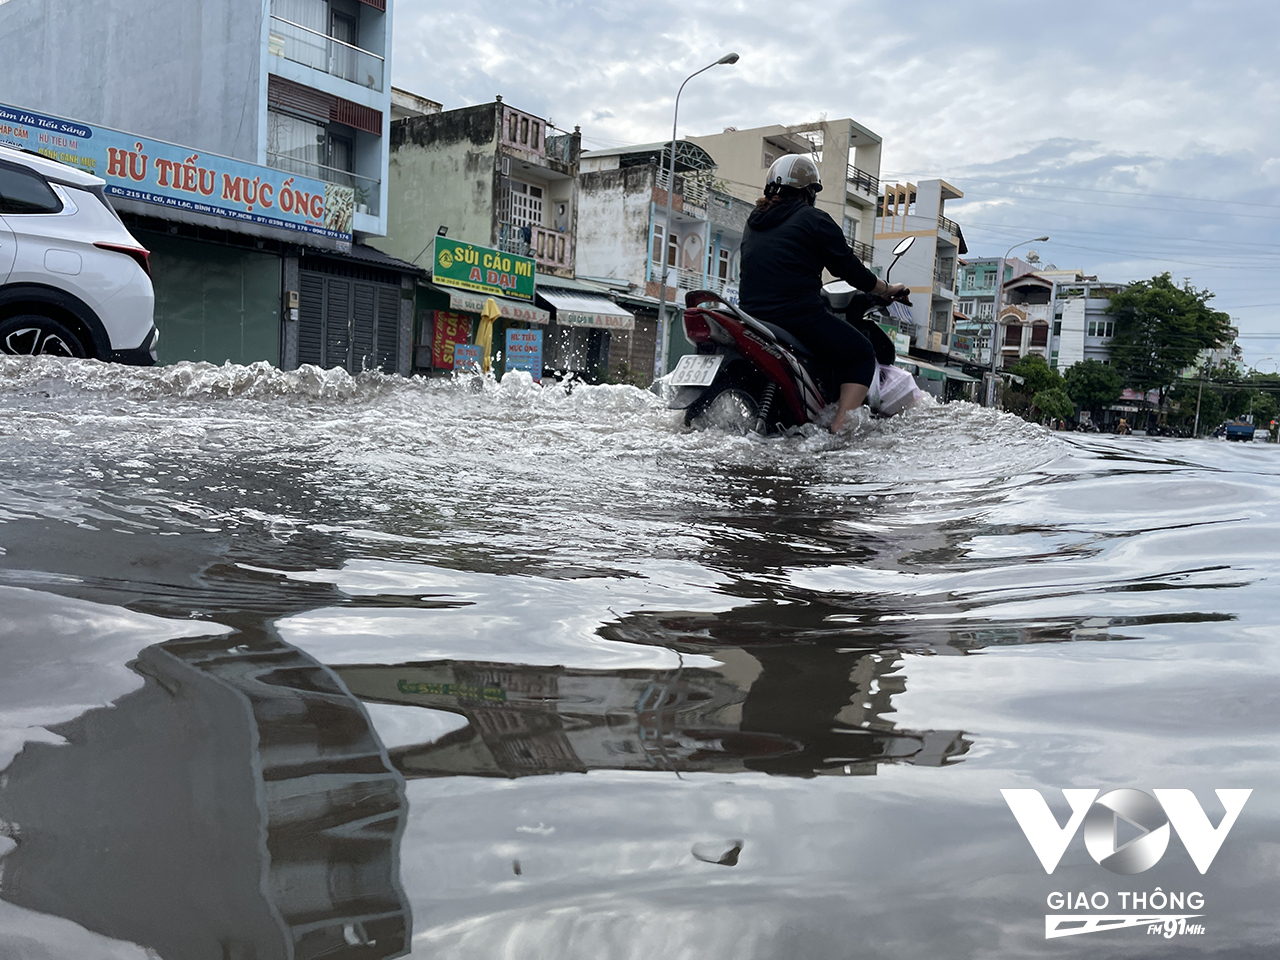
(753, 376)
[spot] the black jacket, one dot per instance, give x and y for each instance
(784, 250)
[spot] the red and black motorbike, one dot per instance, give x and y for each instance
(749, 375)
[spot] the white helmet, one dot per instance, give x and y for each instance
(793, 170)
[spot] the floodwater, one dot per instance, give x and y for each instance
(295, 665)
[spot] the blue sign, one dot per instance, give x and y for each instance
(524, 351)
(466, 358)
(180, 178)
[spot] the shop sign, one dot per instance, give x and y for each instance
(901, 342)
(451, 329)
(466, 358)
(168, 175)
(524, 351)
(483, 269)
(963, 344)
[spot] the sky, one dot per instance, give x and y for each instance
(1141, 137)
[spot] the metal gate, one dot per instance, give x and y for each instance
(348, 322)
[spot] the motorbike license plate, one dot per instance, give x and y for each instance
(696, 370)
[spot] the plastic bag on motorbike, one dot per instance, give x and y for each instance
(893, 391)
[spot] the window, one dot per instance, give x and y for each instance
(343, 59)
(1013, 335)
(513, 127)
(1057, 328)
(534, 133)
(986, 310)
(524, 207)
(1040, 335)
(1102, 328)
(656, 253)
(673, 250)
(25, 192)
(524, 130)
(723, 272)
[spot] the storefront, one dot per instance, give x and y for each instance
(249, 263)
(585, 320)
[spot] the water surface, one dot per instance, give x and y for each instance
(301, 665)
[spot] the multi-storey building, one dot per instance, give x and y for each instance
(290, 95)
(929, 267)
(1082, 328)
(488, 174)
(623, 238)
(848, 158)
(976, 283)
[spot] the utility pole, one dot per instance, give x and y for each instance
(664, 325)
(1195, 430)
(995, 315)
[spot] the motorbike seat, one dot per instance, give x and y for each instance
(789, 340)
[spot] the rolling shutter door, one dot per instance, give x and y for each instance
(337, 320)
(388, 328)
(348, 321)
(311, 318)
(364, 322)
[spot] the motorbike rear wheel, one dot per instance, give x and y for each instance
(730, 407)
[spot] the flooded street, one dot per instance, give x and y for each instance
(296, 665)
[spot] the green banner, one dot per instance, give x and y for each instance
(482, 269)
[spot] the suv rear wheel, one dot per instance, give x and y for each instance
(32, 334)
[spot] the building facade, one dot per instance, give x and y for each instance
(929, 267)
(848, 159)
(976, 282)
(1082, 328)
(488, 174)
(623, 238)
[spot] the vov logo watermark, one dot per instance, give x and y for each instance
(1101, 817)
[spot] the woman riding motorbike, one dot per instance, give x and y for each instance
(786, 245)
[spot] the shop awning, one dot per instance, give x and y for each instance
(932, 371)
(467, 302)
(577, 309)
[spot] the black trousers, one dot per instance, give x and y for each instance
(844, 350)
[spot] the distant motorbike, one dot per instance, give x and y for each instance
(750, 375)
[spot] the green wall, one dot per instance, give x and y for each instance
(213, 302)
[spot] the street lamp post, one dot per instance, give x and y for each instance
(995, 315)
(664, 328)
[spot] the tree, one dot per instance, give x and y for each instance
(1161, 329)
(1036, 374)
(1093, 385)
(1054, 403)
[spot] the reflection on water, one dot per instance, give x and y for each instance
(299, 665)
(793, 711)
(238, 805)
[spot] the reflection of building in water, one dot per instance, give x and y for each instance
(237, 806)
(794, 710)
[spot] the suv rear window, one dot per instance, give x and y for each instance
(22, 191)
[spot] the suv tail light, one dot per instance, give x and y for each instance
(140, 254)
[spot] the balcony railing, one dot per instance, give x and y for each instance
(368, 191)
(950, 226)
(695, 190)
(552, 248)
(861, 180)
(863, 251)
(312, 49)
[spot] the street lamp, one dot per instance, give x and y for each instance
(664, 328)
(995, 315)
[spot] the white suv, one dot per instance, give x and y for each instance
(73, 281)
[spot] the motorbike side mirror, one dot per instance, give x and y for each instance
(903, 246)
